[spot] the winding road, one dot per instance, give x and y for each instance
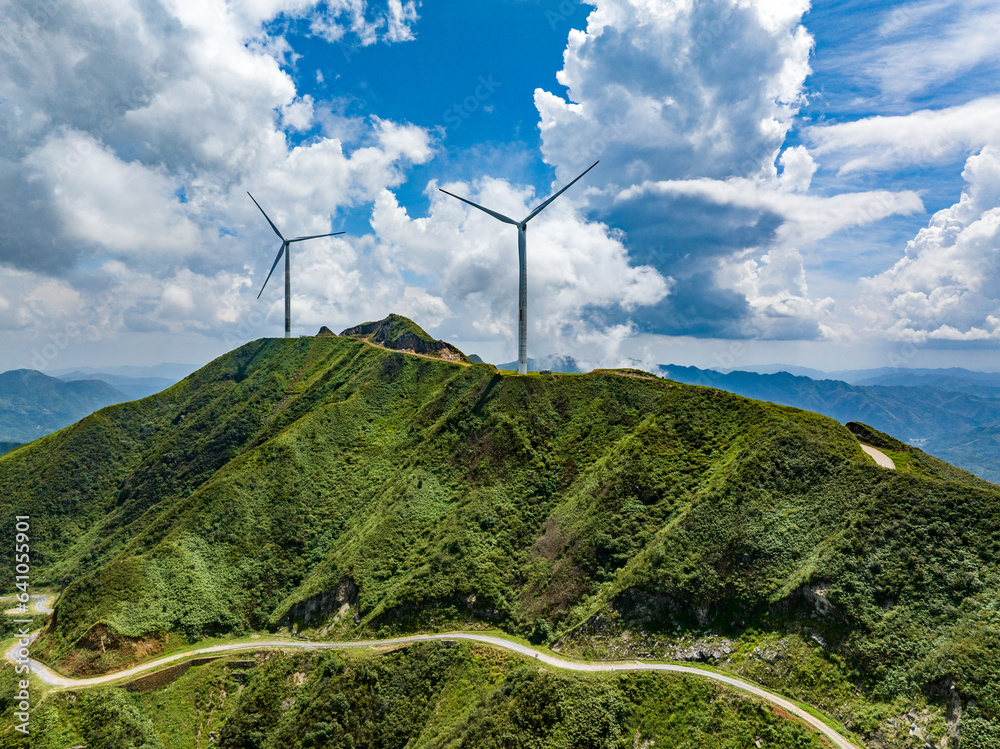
(50, 677)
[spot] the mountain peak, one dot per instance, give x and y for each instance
(402, 334)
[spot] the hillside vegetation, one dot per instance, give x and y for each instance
(955, 417)
(335, 487)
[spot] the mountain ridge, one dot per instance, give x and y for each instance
(940, 419)
(343, 489)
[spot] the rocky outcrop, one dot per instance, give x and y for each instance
(316, 610)
(402, 334)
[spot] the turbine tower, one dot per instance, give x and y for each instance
(522, 252)
(286, 251)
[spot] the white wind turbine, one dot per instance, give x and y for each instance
(286, 251)
(522, 251)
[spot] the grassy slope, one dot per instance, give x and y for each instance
(428, 494)
(427, 696)
(955, 418)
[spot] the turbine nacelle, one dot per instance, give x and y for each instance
(523, 224)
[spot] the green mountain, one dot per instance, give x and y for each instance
(931, 410)
(33, 404)
(342, 490)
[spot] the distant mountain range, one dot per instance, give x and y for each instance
(134, 387)
(173, 371)
(33, 404)
(552, 362)
(880, 375)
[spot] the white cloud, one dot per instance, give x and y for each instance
(123, 207)
(775, 287)
(337, 17)
(922, 137)
(671, 90)
(470, 261)
(927, 44)
(171, 115)
(688, 105)
(401, 18)
(806, 219)
(298, 115)
(947, 287)
(798, 169)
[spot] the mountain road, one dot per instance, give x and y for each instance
(50, 677)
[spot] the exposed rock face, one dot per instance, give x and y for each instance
(402, 334)
(314, 611)
(816, 595)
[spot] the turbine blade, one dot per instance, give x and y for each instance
(494, 214)
(544, 205)
(316, 236)
(267, 217)
(280, 253)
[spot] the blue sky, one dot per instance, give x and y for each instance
(811, 184)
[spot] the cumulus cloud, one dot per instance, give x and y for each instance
(776, 290)
(671, 90)
(688, 106)
(131, 133)
(797, 169)
(716, 236)
(947, 287)
(803, 219)
(102, 200)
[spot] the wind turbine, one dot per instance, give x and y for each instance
(286, 251)
(522, 251)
